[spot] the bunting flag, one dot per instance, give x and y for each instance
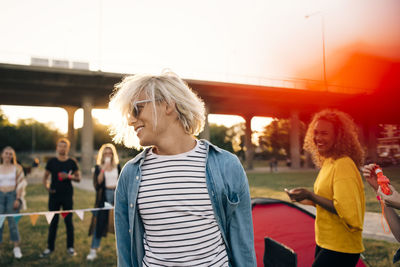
(2, 218)
(34, 218)
(17, 218)
(80, 214)
(49, 216)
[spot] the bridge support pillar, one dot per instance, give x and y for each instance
(87, 152)
(295, 139)
(248, 144)
(71, 131)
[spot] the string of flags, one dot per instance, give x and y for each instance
(50, 214)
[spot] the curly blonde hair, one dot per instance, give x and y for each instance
(346, 137)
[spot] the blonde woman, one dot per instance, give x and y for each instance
(105, 178)
(332, 140)
(182, 201)
(12, 192)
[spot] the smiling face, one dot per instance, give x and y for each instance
(7, 156)
(324, 137)
(147, 132)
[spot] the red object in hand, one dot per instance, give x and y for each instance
(382, 180)
(59, 176)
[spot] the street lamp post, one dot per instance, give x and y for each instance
(323, 44)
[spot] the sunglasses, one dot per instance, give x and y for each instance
(137, 109)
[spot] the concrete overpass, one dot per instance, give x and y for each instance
(73, 89)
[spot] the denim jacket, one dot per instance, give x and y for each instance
(230, 197)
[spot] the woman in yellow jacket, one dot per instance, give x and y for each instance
(332, 140)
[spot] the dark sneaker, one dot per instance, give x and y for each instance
(45, 253)
(71, 251)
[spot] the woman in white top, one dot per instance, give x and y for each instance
(12, 192)
(105, 178)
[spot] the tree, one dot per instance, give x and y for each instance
(275, 138)
(236, 135)
(218, 136)
(26, 135)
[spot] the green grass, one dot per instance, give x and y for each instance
(34, 238)
(380, 253)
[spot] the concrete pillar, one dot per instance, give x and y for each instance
(372, 144)
(205, 134)
(248, 144)
(295, 139)
(87, 137)
(71, 130)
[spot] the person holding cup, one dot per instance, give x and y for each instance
(105, 178)
(61, 171)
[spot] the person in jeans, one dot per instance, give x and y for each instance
(62, 170)
(105, 179)
(12, 191)
(182, 201)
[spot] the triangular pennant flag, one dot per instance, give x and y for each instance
(80, 214)
(49, 216)
(34, 218)
(17, 218)
(64, 214)
(106, 205)
(2, 218)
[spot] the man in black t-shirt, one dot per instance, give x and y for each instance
(63, 170)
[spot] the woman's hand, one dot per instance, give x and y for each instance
(392, 200)
(299, 194)
(17, 204)
(370, 176)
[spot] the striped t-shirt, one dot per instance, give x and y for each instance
(175, 207)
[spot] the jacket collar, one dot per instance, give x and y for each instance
(142, 154)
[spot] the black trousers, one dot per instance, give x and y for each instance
(55, 203)
(326, 258)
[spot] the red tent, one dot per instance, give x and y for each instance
(287, 224)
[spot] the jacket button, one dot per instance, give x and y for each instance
(137, 177)
(131, 205)
(129, 230)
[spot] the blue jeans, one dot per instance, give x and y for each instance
(6, 207)
(110, 199)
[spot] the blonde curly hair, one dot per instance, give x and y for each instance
(346, 137)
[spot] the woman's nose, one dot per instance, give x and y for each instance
(131, 120)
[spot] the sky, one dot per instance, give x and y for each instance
(255, 41)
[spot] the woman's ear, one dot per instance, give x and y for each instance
(170, 108)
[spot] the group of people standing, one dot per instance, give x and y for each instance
(60, 171)
(184, 201)
(63, 170)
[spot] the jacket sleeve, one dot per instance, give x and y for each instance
(240, 233)
(121, 221)
(95, 176)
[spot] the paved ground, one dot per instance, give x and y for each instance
(372, 222)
